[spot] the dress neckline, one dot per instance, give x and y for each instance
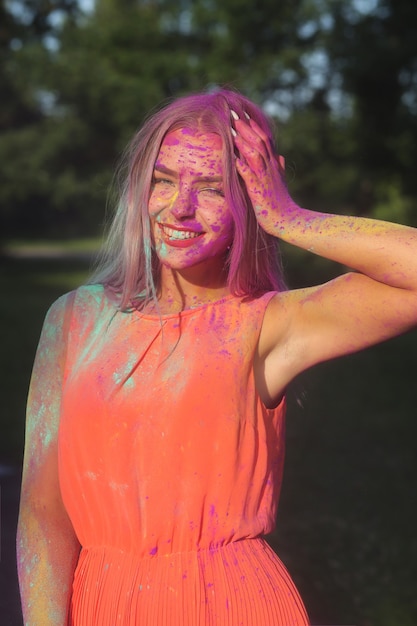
(183, 313)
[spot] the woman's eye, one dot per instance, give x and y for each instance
(163, 187)
(212, 191)
(162, 181)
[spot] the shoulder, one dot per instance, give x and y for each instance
(280, 317)
(84, 302)
(271, 309)
(88, 297)
(245, 315)
(254, 305)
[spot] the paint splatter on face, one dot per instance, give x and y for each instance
(191, 220)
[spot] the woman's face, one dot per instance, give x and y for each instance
(191, 220)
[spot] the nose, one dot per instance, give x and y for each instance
(184, 204)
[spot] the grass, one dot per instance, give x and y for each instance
(347, 518)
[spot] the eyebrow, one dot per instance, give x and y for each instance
(164, 170)
(204, 179)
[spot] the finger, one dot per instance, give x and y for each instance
(253, 138)
(267, 141)
(258, 130)
(252, 184)
(281, 161)
(251, 155)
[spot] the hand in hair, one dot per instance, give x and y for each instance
(263, 173)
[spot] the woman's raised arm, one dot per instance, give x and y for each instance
(356, 310)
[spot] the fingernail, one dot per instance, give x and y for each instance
(234, 114)
(247, 115)
(232, 130)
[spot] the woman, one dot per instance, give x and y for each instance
(154, 444)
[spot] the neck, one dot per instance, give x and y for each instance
(185, 289)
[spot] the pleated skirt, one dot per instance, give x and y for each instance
(242, 583)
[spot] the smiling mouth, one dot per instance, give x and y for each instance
(179, 235)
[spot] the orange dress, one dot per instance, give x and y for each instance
(170, 468)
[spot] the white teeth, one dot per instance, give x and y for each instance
(179, 234)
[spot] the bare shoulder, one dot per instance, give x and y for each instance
(280, 318)
(349, 313)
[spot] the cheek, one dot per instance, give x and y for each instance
(222, 231)
(223, 222)
(159, 200)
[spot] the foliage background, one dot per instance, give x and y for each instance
(340, 79)
(339, 76)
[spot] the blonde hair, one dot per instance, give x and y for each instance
(128, 264)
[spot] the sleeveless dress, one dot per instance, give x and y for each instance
(170, 468)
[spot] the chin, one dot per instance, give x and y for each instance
(207, 262)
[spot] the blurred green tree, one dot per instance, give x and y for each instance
(77, 85)
(375, 54)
